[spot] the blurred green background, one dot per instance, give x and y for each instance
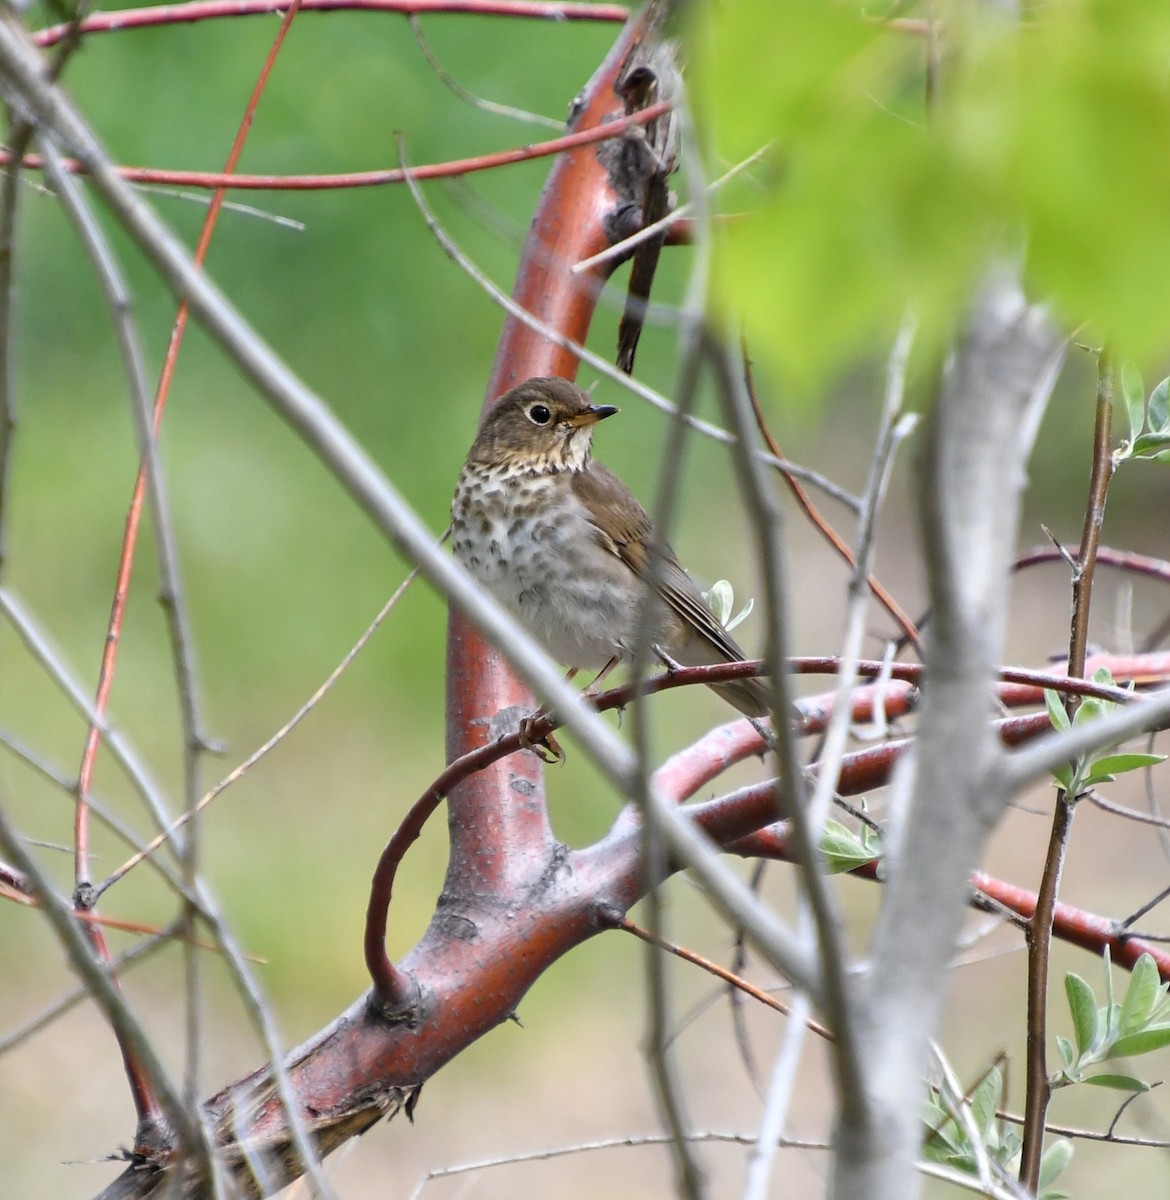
(282, 573)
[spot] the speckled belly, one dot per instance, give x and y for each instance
(537, 553)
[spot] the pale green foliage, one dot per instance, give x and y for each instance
(1149, 420)
(1078, 777)
(1139, 1024)
(1046, 135)
(721, 601)
(948, 1139)
(843, 850)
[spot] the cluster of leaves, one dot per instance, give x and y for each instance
(1086, 772)
(1149, 420)
(900, 163)
(950, 1140)
(845, 850)
(1139, 1024)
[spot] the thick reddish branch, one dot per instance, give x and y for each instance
(511, 904)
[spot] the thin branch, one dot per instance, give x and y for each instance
(51, 661)
(362, 179)
(731, 978)
(1038, 1090)
(205, 10)
(454, 86)
(775, 1117)
(237, 773)
(767, 525)
(632, 1141)
(105, 994)
(71, 1000)
(820, 523)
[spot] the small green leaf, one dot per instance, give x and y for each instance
(1082, 1004)
(741, 616)
(843, 849)
(1110, 1007)
(1154, 1037)
(720, 599)
(1140, 996)
(1118, 764)
(1056, 1158)
(1056, 711)
(1160, 407)
(1134, 392)
(1065, 776)
(1119, 1083)
(986, 1099)
(1068, 1055)
(1150, 444)
(1091, 709)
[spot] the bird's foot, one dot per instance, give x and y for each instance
(544, 746)
(671, 664)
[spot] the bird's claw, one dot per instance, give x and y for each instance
(545, 747)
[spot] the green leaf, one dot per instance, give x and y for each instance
(1150, 444)
(1154, 1037)
(986, 1099)
(1090, 709)
(1134, 393)
(1066, 777)
(1119, 1083)
(1160, 407)
(1110, 1007)
(1118, 764)
(1057, 713)
(843, 849)
(1068, 1056)
(1056, 1157)
(742, 615)
(1082, 1004)
(1140, 996)
(719, 599)
(871, 204)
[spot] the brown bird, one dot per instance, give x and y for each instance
(563, 544)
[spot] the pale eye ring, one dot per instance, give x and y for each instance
(539, 414)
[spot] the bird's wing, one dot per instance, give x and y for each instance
(624, 528)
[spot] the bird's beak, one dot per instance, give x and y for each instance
(593, 414)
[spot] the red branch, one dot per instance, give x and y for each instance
(378, 178)
(206, 10)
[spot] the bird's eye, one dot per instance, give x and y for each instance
(539, 414)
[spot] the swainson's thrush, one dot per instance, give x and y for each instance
(563, 544)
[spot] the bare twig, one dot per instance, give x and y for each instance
(266, 747)
(804, 501)
(453, 85)
(767, 525)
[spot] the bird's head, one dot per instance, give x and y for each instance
(544, 424)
